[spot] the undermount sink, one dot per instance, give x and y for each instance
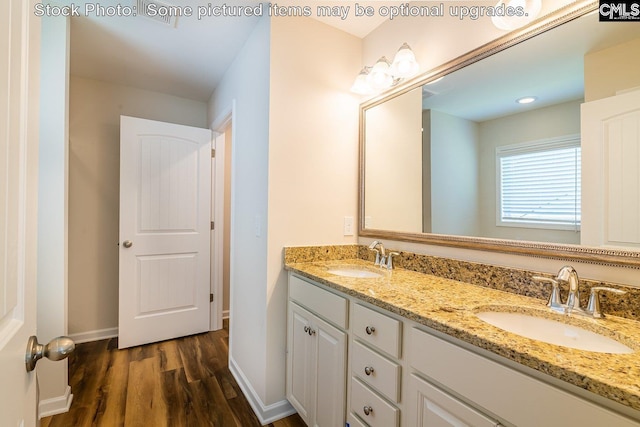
(354, 271)
(553, 332)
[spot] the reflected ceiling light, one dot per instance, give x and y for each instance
(526, 100)
(385, 74)
(531, 11)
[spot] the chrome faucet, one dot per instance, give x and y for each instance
(380, 253)
(568, 274)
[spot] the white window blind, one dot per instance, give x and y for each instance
(539, 184)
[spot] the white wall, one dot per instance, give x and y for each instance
(247, 83)
(559, 120)
(393, 164)
(94, 175)
(52, 209)
(454, 175)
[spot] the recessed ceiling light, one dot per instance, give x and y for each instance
(526, 100)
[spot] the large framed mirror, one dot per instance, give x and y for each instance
(447, 158)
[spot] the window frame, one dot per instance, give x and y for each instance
(547, 144)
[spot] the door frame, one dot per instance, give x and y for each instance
(218, 127)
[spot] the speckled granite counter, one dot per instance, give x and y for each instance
(449, 306)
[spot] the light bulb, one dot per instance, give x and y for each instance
(404, 63)
(531, 11)
(361, 86)
(379, 77)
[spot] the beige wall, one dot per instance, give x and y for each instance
(393, 164)
(559, 120)
(454, 175)
(313, 156)
(610, 70)
(246, 85)
(94, 135)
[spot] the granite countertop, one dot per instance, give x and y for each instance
(449, 306)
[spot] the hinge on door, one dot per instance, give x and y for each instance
(210, 297)
(212, 226)
(213, 152)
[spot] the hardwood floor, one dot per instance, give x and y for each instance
(182, 382)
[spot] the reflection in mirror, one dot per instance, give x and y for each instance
(460, 156)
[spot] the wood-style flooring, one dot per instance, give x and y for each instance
(181, 382)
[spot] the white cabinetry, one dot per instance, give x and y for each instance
(375, 367)
(402, 374)
(316, 356)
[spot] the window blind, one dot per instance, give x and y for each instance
(539, 184)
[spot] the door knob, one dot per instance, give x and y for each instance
(127, 244)
(58, 348)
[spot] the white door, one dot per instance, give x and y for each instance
(611, 171)
(165, 203)
(19, 74)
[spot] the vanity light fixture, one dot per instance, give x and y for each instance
(526, 100)
(360, 85)
(508, 23)
(385, 74)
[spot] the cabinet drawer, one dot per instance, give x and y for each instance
(377, 329)
(376, 370)
(381, 413)
(324, 303)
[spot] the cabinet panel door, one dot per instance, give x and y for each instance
(436, 408)
(330, 375)
(301, 360)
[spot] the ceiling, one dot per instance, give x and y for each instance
(549, 66)
(187, 59)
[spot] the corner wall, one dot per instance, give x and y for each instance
(53, 378)
(246, 84)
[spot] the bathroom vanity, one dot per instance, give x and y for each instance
(407, 349)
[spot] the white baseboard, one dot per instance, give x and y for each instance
(96, 335)
(55, 405)
(225, 314)
(266, 414)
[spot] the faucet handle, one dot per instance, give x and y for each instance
(389, 259)
(555, 301)
(593, 307)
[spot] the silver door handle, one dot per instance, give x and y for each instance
(58, 348)
(127, 244)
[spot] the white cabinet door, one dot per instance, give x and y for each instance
(300, 362)
(330, 374)
(433, 407)
(316, 368)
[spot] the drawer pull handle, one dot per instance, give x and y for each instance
(306, 329)
(311, 332)
(370, 330)
(368, 370)
(367, 410)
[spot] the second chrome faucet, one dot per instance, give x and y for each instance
(569, 275)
